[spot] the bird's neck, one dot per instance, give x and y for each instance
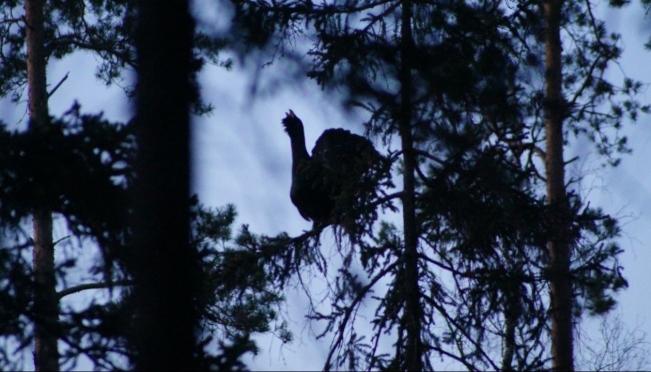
(299, 152)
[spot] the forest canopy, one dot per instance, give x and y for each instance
(464, 239)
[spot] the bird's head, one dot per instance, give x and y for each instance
(293, 125)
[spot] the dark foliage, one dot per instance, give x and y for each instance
(476, 121)
(81, 168)
(64, 167)
(104, 28)
(476, 109)
(236, 300)
(238, 297)
(84, 156)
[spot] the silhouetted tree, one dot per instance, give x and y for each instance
(46, 306)
(80, 167)
(615, 348)
(471, 263)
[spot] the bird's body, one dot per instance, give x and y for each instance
(332, 173)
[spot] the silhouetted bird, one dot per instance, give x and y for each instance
(326, 184)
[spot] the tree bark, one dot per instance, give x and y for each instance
(509, 341)
(559, 244)
(46, 303)
(414, 347)
(160, 257)
(511, 316)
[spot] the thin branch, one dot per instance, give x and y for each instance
(459, 328)
(58, 85)
(328, 10)
(428, 155)
(96, 47)
(571, 160)
(393, 156)
(83, 287)
(461, 360)
(387, 198)
(12, 20)
(422, 175)
(349, 310)
(537, 150)
(584, 85)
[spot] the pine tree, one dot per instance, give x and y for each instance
(46, 306)
(457, 82)
(160, 257)
(61, 165)
(562, 345)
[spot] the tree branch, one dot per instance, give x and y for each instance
(58, 85)
(83, 287)
(428, 155)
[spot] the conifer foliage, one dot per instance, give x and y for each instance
(79, 168)
(497, 253)
(474, 258)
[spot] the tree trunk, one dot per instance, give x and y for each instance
(414, 348)
(46, 304)
(511, 317)
(559, 244)
(160, 257)
(509, 341)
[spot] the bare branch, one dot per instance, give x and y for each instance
(58, 85)
(83, 287)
